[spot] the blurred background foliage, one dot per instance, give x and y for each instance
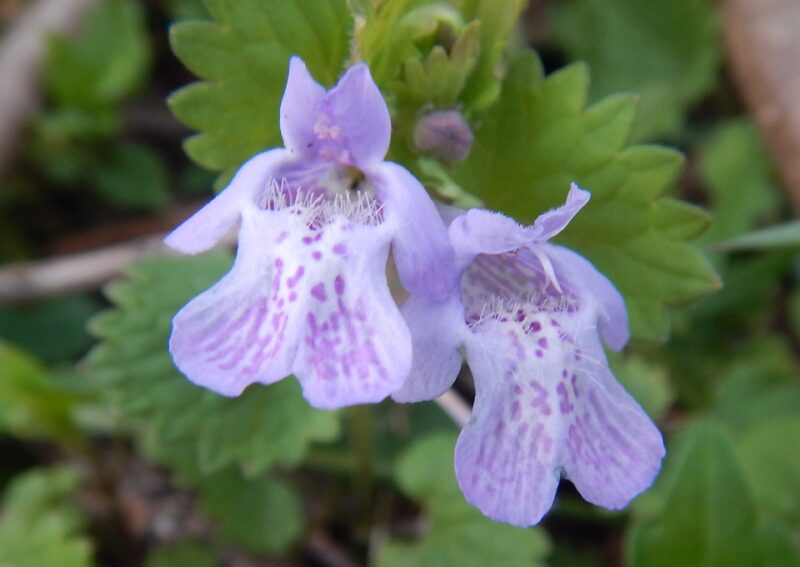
(110, 457)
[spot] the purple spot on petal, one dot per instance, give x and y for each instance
(340, 249)
(318, 291)
(317, 255)
(338, 285)
(292, 281)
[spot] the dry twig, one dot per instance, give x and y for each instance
(21, 56)
(763, 43)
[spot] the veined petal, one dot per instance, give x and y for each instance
(355, 106)
(580, 275)
(438, 331)
(479, 231)
(546, 405)
(552, 222)
(355, 346)
(205, 227)
(300, 109)
(307, 295)
(243, 329)
(421, 248)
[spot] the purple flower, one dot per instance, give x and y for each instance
(307, 294)
(529, 317)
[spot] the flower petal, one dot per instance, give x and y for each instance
(356, 106)
(552, 222)
(421, 249)
(242, 330)
(580, 276)
(300, 107)
(613, 449)
(356, 348)
(437, 332)
(546, 404)
(205, 227)
(308, 301)
(479, 231)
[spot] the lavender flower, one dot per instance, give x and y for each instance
(307, 294)
(529, 316)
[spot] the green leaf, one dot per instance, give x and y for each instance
(498, 19)
(439, 78)
(39, 525)
(785, 235)
(185, 554)
(189, 428)
(458, 534)
(133, 176)
(243, 57)
(770, 453)
(32, 403)
(106, 63)
(539, 137)
(760, 384)
(53, 330)
(707, 517)
(667, 51)
(737, 170)
(647, 383)
(262, 515)
(400, 31)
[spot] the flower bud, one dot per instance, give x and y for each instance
(444, 135)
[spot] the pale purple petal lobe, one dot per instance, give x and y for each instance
(479, 231)
(241, 330)
(300, 109)
(554, 221)
(437, 330)
(421, 248)
(307, 295)
(578, 273)
(548, 405)
(357, 112)
(355, 346)
(204, 228)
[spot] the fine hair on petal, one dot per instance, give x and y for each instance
(319, 209)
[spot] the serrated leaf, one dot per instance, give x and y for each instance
(397, 30)
(440, 77)
(458, 534)
(261, 515)
(538, 138)
(667, 51)
(32, 403)
(39, 525)
(707, 516)
(107, 61)
(738, 173)
(243, 55)
(131, 366)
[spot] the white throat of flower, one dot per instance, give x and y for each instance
(319, 208)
